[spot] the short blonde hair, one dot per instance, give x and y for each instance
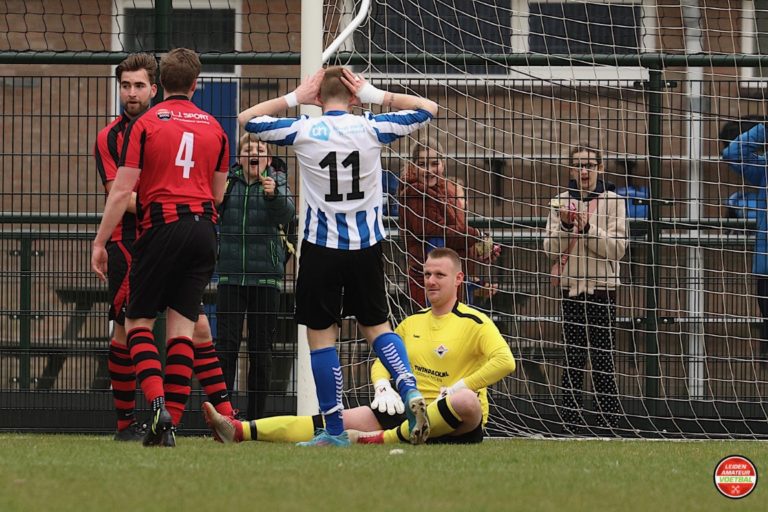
(332, 88)
(446, 252)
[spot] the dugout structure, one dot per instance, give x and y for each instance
(519, 84)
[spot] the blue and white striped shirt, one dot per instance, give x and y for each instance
(339, 158)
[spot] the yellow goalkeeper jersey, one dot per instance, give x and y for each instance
(463, 344)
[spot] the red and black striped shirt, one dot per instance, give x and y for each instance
(177, 148)
(107, 149)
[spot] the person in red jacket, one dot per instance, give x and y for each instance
(433, 214)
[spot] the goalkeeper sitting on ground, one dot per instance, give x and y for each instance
(455, 352)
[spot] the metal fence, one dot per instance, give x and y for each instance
(53, 312)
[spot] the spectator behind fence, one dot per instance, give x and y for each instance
(586, 236)
(431, 215)
(251, 267)
(476, 285)
(746, 156)
(182, 154)
(136, 80)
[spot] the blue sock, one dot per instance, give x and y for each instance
(391, 352)
(329, 383)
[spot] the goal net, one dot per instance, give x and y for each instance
(660, 88)
(521, 84)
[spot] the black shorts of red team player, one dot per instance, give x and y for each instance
(172, 265)
(336, 283)
(119, 256)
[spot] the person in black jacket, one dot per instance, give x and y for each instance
(251, 265)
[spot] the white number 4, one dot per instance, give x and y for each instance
(184, 155)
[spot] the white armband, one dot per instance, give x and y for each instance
(291, 100)
(370, 94)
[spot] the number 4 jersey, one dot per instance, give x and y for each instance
(177, 147)
(339, 157)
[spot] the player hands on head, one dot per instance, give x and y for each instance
(339, 156)
(456, 352)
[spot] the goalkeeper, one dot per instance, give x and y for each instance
(455, 351)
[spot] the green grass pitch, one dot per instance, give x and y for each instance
(93, 473)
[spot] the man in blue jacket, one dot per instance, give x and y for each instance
(746, 155)
(251, 268)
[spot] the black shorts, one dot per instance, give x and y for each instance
(389, 422)
(334, 283)
(119, 256)
(172, 265)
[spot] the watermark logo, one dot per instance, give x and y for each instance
(735, 477)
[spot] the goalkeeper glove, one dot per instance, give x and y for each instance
(447, 391)
(386, 399)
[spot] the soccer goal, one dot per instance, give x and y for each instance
(661, 89)
(658, 90)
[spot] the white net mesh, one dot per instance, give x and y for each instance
(690, 356)
(520, 84)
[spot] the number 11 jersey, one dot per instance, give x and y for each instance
(339, 157)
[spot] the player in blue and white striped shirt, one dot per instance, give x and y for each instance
(341, 272)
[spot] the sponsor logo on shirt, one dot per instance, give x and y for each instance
(165, 115)
(430, 371)
(320, 131)
(353, 129)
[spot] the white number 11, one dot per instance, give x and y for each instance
(184, 155)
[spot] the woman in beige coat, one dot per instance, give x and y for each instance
(586, 238)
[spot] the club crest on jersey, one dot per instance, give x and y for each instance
(163, 115)
(441, 350)
(320, 131)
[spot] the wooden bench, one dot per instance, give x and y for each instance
(71, 342)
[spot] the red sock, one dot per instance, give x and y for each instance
(208, 372)
(123, 377)
(146, 359)
(178, 372)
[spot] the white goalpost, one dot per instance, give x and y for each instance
(312, 58)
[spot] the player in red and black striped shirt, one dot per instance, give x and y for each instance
(136, 79)
(182, 155)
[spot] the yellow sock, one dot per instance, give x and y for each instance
(282, 429)
(442, 421)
